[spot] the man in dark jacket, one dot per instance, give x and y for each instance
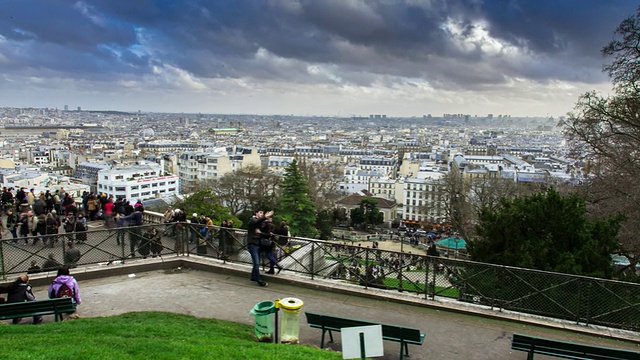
(12, 224)
(135, 236)
(21, 292)
(253, 243)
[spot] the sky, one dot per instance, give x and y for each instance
(400, 58)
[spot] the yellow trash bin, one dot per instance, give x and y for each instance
(290, 325)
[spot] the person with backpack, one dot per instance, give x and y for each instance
(64, 285)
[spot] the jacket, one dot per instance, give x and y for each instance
(253, 236)
(20, 292)
(70, 281)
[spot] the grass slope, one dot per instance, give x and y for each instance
(145, 335)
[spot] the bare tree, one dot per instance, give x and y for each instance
(605, 134)
(323, 180)
(246, 189)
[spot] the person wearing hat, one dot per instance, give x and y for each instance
(179, 217)
(193, 229)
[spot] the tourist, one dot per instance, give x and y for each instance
(253, 243)
(21, 291)
(64, 285)
(72, 255)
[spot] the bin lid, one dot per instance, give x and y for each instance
(264, 307)
(290, 303)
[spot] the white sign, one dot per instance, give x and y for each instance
(351, 337)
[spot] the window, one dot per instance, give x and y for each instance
(121, 188)
(144, 186)
(146, 193)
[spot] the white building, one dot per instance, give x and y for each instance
(145, 180)
(424, 201)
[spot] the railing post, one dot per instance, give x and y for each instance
(366, 268)
(425, 261)
(587, 315)
(400, 267)
(4, 274)
(313, 259)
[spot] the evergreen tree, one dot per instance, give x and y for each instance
(296, 207)
(546, 231)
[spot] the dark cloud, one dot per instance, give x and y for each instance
(357, 40)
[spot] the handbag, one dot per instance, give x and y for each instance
(265, 242)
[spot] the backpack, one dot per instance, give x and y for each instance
(64, 291)
(69, 226)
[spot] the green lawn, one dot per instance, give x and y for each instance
(146, 335)
(409, 286)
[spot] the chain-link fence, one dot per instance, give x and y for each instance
(575, 298)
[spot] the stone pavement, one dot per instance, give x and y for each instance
(209, 288)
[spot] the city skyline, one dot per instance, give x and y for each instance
(333, 58)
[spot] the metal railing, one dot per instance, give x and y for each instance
(580, 299)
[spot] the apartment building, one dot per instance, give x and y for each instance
(145, 180)
(195, 166)
(424, 201)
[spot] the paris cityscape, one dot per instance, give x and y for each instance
(413, 169)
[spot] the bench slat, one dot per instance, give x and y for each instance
(389, 332)
(569, 350)
(403, 335)
(36, 308)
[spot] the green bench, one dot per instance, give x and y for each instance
(568, 350)
(402, 334)
(55, 307)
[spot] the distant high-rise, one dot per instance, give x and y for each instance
(79, 108)
(66, 108)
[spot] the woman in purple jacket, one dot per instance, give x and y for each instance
(65, 285)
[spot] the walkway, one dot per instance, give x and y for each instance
(223, 291)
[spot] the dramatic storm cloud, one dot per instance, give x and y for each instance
(340, 57)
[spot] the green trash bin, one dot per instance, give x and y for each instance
(263, 325)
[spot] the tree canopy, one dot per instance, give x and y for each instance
(604, 132)
(204, 202)
(546, 231)
(367, 214)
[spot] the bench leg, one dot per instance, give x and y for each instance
(530, 355)
(404, 349)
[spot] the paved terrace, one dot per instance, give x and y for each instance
(206, 287)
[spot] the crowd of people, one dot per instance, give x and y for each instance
(32, 218)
